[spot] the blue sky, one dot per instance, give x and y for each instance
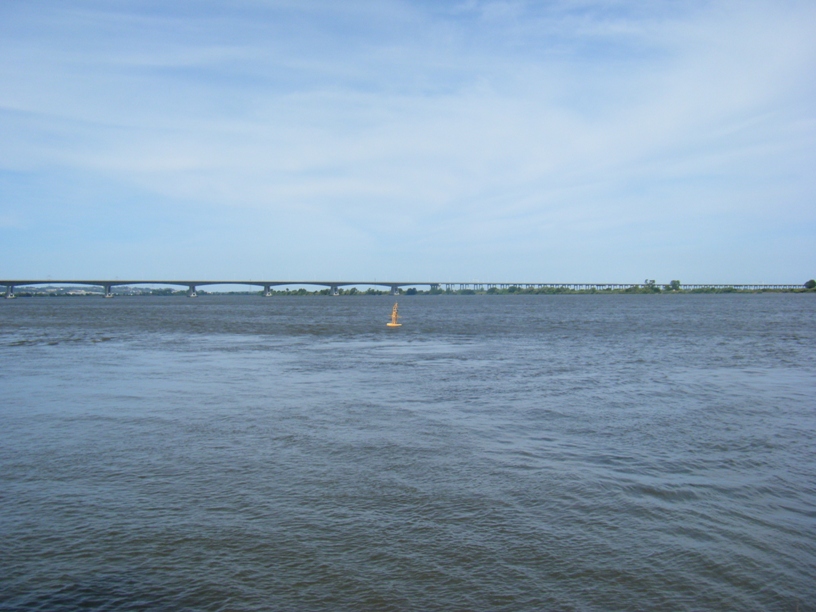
(583, 141)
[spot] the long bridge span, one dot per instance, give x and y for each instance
(334, 286)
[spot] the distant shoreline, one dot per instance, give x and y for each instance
(124, 291)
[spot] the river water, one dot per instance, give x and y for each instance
(495, 453)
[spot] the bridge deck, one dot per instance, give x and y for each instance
(192, 284)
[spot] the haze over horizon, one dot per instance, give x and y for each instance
(493, 141)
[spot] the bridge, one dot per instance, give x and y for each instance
(192, 285)
(334, 286)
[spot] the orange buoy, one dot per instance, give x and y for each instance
(394, 317)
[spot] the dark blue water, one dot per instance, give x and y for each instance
(494, 453)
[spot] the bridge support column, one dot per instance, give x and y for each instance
(108, 292)
(191, 291)
(267, 290)
(394, 289)
(333, 290)
(434, 286)
(10, 292)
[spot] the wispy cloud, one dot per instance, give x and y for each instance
(442, 138)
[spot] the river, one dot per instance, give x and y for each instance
(585, 452)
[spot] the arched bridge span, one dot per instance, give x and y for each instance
(192, 285)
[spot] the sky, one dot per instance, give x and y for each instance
(446, 141)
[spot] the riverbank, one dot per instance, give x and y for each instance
(76, 292)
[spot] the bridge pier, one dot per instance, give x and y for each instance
(333, 290)
(267, 291)
(394, 289)
(10, 292)
(108, 292)
(191, 291)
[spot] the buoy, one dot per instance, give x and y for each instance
(394, 317)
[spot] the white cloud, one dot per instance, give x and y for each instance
(577, 121)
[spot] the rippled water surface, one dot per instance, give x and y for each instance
(494, 453)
